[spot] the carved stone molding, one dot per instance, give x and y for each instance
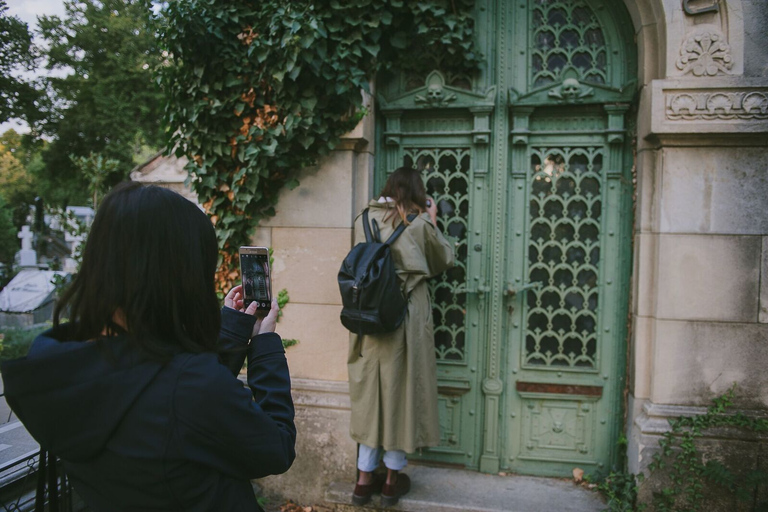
(717, 105)
(436, 95)
(695, 108)
(571, 91)
(705, 52)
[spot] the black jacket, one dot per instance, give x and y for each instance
(139, 435)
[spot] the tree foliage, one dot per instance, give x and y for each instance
(108, 102)
(9, 241)
(18, 95)
(258, 90)
(17, 184)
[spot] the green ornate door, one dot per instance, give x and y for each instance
(530, 163)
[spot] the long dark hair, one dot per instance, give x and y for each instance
(151, 254)
(404, 185)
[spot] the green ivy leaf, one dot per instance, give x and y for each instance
(399, 40)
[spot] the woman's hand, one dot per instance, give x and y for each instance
(269, 322)
(234, 300)
(432, 210)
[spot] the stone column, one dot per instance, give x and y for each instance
(700, 298)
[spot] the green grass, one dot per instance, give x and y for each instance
(15, 341)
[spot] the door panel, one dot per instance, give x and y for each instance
(531, 168)
(555, 393)
(447, 175)
(564, 228)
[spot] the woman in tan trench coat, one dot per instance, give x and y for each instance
(393, 376)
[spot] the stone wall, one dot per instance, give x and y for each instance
(700, 276)
(310, 235)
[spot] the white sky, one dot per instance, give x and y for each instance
(28, 11)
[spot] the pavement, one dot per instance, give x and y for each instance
(454, 490)
(15, 441)
(18, 453)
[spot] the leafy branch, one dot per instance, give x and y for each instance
(257, 91)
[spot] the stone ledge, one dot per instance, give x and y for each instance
(320, 394)
(654, 421)
(724, 106)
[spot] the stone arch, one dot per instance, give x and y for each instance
(661, 27)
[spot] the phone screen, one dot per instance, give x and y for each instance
(257, 281)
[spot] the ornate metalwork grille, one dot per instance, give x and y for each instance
(564, 255)
(566, 36)
(446, 176)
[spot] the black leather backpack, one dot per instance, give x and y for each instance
(369, 286)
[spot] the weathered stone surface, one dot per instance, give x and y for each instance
(325, 451)
(307, 261)
(323, 342)
(648, 190)
(714, 190)
(262, 237)
(645, 274)
(704, 277)
(695, 362)
(364, 134)
(764, 283)
(737, 448)
(755, 37)
(641, 368)
(323, 197)
(762, 465)
(739, 457)
(363, 183)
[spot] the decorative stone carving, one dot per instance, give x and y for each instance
(571, 91)
(717, 105)
(691, 11)
(436, 95)
(705, 53)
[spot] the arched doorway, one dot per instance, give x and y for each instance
(530, 163)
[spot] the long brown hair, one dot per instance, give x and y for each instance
(404, 185)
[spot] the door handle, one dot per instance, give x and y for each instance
(510, 291)
(481, 290)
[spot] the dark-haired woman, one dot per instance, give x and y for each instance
(138, 394)
(393, 376)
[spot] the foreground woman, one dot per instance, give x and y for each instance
(393, 376)
(138, 394)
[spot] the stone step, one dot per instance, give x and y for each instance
(454, 490)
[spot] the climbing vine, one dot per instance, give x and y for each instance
(687, 472)
(257, 91)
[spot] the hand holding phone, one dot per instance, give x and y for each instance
(432, 210)
(257, 278)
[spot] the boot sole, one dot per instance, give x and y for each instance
(389, 501)
(360, 500)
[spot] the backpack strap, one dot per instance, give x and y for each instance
(400, 230)
(367, 227)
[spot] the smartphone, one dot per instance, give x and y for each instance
(257, 278)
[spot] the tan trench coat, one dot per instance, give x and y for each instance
(393, 385)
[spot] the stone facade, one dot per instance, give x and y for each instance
(702, 197)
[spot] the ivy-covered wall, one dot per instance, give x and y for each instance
(258, 90)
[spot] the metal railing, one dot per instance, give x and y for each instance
(20, 482)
